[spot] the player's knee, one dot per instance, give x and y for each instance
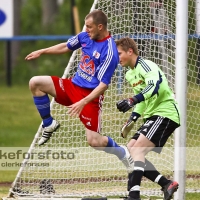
(33, 82)
(131, 144)
(98, 141)
(94, 139)
(92, 142)
(138, 152)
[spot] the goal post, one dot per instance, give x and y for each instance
(66, 167)
(181, 95)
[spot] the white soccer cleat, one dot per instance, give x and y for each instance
(47, 132)
(128, 160)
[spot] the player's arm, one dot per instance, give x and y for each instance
(100, 89)
(71, 45)
(56, 49)
(152, 79)
(137, 112)
(76, 108)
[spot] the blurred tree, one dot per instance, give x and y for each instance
(28, 20)
(83, 8)
(49, 12)
(15, 45)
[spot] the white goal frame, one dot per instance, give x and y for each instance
(181, 95)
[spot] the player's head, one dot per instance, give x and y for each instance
(128, 51)
(96, 24)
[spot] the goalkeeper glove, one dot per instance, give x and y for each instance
(129, 124)
(126, 104)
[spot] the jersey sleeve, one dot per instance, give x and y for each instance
(140, 108)
(152, 77)
(108, 65)
(75, 42)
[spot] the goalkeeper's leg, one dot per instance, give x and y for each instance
(150, 171)
(167, 186)
(152, 174)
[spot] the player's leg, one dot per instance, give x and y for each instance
(131, 143)
(152, 174)
(91, 118)
(107, 144)
(160, 137)
(150, 171)
(40, 87)
(141, 147)
(157, 137)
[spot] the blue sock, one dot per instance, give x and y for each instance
(43, 105)
(113, 148)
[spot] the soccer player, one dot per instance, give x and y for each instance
(155, 101)
(83, 93)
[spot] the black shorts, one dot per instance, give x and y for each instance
(157, 129)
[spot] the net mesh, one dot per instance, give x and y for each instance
(87, 172)
(193, 95)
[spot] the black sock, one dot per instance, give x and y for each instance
(150, 171)
(135, 179)
(152, 174)
(163, 181)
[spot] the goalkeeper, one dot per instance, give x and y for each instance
(155, 101)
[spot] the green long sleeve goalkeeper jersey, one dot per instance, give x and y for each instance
(151, 88)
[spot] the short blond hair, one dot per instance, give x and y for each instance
(127, 43)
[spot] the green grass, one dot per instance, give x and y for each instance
(191, 196)
(19, 118)
(19, 123)
(4, 191)
(7, 176)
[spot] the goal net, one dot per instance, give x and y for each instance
(69, 167)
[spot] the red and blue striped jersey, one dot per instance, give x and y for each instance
(98, 61)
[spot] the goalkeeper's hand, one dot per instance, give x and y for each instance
(129, 124)
(126, 104)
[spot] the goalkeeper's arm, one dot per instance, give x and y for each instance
(134, 116)
(129, 124)
(137, 112)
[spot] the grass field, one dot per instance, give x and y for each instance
(19, 122)
(19, 118)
